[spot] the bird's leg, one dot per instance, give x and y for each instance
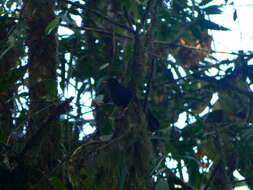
(124, 111)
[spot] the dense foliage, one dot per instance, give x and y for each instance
(59, 128)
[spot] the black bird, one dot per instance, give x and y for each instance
(121, 96)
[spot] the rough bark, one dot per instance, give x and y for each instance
(43, 154)
(120, 163)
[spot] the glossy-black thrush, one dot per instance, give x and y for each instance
(121, 96)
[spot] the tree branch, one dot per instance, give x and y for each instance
(106, 18)
(97, 30)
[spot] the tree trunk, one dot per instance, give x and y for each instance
(43, 152)
(124, 162)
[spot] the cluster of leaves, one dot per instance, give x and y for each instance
(99, 43)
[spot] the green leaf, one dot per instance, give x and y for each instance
(20, 120)
(211, 25)
(128, 52)
(123, 172)
(57, 183)
(105, 138)
(106, 130)
(74, 11)
(235, 15)
(99, 99)
(66, 18)
(162, 185)
(16, 74)
(132, 7)
(12, 41)
(9, 3)
(85, 67)
(52, 25)
(51, 86)
(24, 94)
(204, 2)
(229, 70)
(213, 9)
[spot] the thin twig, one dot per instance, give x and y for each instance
(95, 12)
(129, 19)
(97, 30)
(173, 44)
(144, 18)
(169, 44)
